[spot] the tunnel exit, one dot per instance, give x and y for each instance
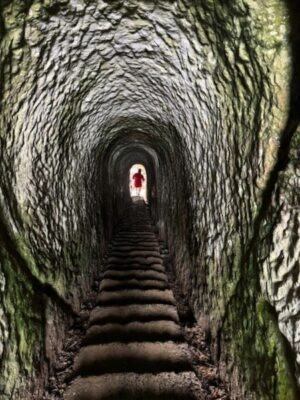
(138, 182)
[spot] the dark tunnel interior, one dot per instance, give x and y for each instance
(205, 95)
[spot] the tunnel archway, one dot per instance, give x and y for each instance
(152, 148)
(205, 95)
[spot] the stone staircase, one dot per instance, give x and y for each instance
(134, 348)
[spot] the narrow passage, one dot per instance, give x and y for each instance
(134, 347)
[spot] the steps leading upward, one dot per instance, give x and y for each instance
(134, 346)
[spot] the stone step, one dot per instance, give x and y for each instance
(115, 284)
(128, 226)
(133, 253)
(135, 260)
(135, 312)
(134, 267)
(141, 228)
(140, 357)
(133, 348)
(138, 240)
(135, 274)
(135, 296)
(131, 386)
(137, 232)
(134, 332)
(136, 243)
(135, 235)
(128, 248)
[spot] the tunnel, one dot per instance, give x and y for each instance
(205, 95)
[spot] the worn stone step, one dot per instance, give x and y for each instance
(134, 312)
(124, 248)
(141, 228)
(135, 243)
(133, 348)
(138, 357)
(135, 240)
(135, 267)
(135, 296)
(135, 235)
(131, 386)
(114, 284)
(135, 260)
(134, 332)
(142, 223)
(134, 253)
(135, 274)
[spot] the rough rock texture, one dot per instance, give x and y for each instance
(200, 93)
(280, 255)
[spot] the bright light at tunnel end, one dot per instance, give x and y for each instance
(135, 193)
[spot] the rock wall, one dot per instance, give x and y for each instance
(279, 254)
(199, 91)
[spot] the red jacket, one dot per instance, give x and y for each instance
(138, 179)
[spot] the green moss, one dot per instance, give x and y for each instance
(24, 310)
(50, 276)
(258, 350)
(283, 380)
(256, 344)
(23, 250)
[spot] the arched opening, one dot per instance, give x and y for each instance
(138, 191)
(198, 93)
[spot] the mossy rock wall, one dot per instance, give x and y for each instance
(205, 93)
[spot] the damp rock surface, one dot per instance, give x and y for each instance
(205, 95)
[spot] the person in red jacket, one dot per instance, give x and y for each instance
(138, 179)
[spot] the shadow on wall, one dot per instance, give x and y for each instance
(294, 10)
(294, 117)
(294, 106)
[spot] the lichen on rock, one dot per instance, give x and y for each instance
(203, 93)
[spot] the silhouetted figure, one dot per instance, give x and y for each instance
(138, 179)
